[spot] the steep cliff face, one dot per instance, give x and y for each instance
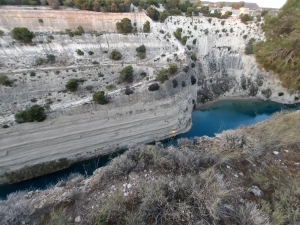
(44, 19)
(76, 128)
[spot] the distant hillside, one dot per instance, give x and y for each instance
(247, 4)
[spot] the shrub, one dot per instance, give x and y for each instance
(72, 85)
(124, 26)
(194, 41)
(50, 58)
(22, 34)
(146, 27)
(32, 74)
(128, 91)
(91, 53)
(110, 87)
(162, 75)
(193, 65)
(34, 113)
(1, 33)
(115, 55)
(186, 69)
(100, 98)
(209, 20)
(153, 87)
(79, 52)
(173, 68)
(250, 47)
(280, 94)
(245, 36)
(126, 74)
(194, 57)
(183, 83)
(175, 83)
(153, 13)
(193, 80)
(141, 51)
(5, 81)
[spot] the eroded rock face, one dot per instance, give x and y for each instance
(76, 128)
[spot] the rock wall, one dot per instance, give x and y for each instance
(43, 19)
(78, 129)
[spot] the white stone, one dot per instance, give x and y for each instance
(77, 219)
(275, 152)
(126, 194)
(286, 150)
(129, 186)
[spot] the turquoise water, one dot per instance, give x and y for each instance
(212, 119)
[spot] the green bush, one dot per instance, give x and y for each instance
(126, 74)
(153, 13)
(162, 75)
(141, 52)
(100, 98)
(34, 113)
(186, 69)
(250, 47)
(128, 91)
(72, 85)
(193, 80)
(32, 74)
(124, 26)
(5, 81)
(146, 27)
(110, 87)
(22, 34)
(1, 33)
(194, 57)
(153, 87)
(115, 55)
(51, 58)
(79, 52)
(173, 68)
(91, 53)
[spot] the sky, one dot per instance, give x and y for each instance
(262, 3)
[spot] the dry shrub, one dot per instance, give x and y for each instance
(16, 209)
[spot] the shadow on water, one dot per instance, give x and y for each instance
(214, 118)
(85, 168)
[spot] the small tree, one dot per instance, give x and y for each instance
(162, 75)
(153, 87)
(5, 81)
(146, 27)
(193, 80)
(22, 34)
(141, 51)
(100, 98)
(34, 113)
(115, 55)
(124, 26)
(72, 85)
(51, 58)
(126, 74)
(194, 57)
(173, 68)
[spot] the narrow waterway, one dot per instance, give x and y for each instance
(211, 119)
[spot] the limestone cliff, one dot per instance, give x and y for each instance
(76, 128)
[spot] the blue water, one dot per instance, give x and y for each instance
(212, 119)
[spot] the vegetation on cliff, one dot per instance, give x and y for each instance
(22, 34)
(280, 53)
(34, 113)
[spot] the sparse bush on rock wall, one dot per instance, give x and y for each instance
(22, 34)
(100, 98)
(115, 55)
(153, 87)
(34, 113)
